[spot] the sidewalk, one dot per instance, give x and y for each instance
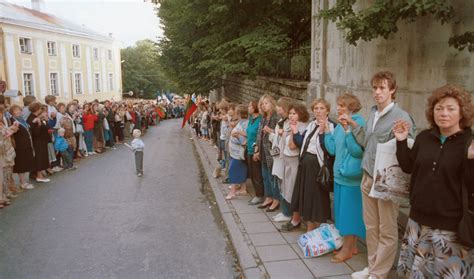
(262, 250)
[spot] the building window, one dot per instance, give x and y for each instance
(109, 52)
(28, 86)
(25, 46)
(53, 81)
(97, 82)
(111, 82)
(95, 53)
(78, 83)
(51, 48)
(76, 51)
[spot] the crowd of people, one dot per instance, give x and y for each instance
(41, 139)
(294, 163)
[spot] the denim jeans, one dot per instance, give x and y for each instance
(88, 138)
(285, 208)
(269, 183)
(225, 158)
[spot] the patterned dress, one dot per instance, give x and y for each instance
(434, 253)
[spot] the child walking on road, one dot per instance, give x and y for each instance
(137, 147)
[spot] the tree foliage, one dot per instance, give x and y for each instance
(205, 39)
(141, 71)
(380, 18)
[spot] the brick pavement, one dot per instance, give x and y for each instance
(263, 251)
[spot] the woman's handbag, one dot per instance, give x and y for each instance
(466, 225)
(325, 179)
(275, 151)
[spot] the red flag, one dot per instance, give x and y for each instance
(161, 113)
(190, 108)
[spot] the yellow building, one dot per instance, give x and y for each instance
(41, 54)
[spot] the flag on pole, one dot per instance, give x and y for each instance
(161, 112)
(190, 108)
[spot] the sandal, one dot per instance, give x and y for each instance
(230, 196)
(288, 227)
(336, 259)
(242, 193)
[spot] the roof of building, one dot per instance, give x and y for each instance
(19, 15)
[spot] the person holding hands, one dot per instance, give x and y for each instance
(440, 165)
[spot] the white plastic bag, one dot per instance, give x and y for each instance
(320, 241)
(390, 182)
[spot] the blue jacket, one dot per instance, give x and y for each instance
(347, 167)
(60, 144)
(252, 130)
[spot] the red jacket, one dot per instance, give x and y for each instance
(88, 120)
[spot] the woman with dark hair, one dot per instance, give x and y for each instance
(237, 143)
(89, 118)
(441, 163)
(99, 127)
(24, 160)
(298, 118)
(309, 198)
(254, 166)
(40, 136)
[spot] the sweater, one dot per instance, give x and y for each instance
(252, 130)
(60, 144)
(437, 171)
(347, 151)
(368, 138)
(89, 120)
(137, 145)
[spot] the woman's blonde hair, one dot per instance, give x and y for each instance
(269, 99)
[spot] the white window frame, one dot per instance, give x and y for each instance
(97, 85)
(29, 45)
(54, 49)
(57, 84)
(109, 54)
(81, 83)
(32, 93)
(95, 50)
(78, 54)
(111, 82)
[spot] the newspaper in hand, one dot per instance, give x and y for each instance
(390, 182)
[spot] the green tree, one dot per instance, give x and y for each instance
(141, 70)
(206, 39)
(380, 19)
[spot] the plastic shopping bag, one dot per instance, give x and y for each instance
(320, 241)
(390, 182)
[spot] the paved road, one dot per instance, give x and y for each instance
(102, 221)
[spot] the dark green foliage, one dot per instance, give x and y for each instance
(380, 18)
(140, 69)
(206, 39)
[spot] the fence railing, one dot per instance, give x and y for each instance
(290, 64)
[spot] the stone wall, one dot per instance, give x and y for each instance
(418, 54)
(241, 90)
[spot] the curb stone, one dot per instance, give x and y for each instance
(246, 253)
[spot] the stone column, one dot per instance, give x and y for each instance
(318, 51)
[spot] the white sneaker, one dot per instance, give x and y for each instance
(281, 218)
(27, 186)
(363, 274)
(279, 214)
(57, 169)
(43, 180)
